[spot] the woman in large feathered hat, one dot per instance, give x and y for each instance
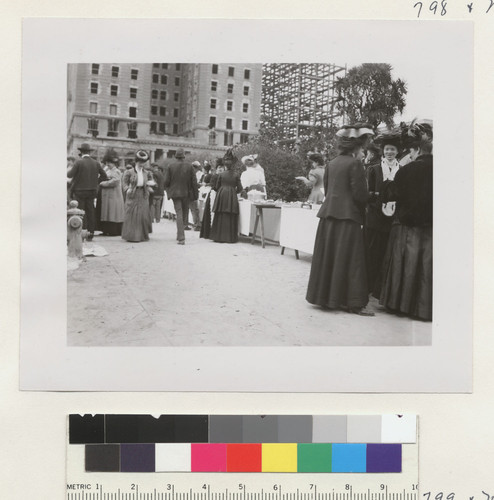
(407, 268)
(226, 208)
(338, 277)
(379, 216)
(137, 185)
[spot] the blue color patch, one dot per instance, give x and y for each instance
(349, 457)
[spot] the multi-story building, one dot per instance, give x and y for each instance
(108, 105)
(161, 107)
(221, 102)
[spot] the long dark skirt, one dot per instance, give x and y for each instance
(338, 276)
(206, 219)
(97, 211)
(224, 228)
(376, 243)
(137, 221)
(110, 228)
(407, 272)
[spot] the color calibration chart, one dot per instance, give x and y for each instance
(242, 457)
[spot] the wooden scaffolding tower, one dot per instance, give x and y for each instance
(296, 98)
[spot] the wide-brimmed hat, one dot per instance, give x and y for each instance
(196, 163)
(85, 147)
(389, 139)
(230, 156)
(248, 157)
(356, 131)
(415, 134)
(141, 156)
(180, 153)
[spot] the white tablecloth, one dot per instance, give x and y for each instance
(247, 219)
(169, 208)
(298, 228)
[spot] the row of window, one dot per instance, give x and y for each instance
(163, 79)
(162, 111)
(228, 123)
(114, 89)
(214, 88)
(231, 71)
(163, 96)
(165, 66)
(229, 105)
(160, 128)
(115, 71)
(113, 110)
(93, 128)
(227, 138)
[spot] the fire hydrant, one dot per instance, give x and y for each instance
(75, 233)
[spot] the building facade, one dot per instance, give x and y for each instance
(221, 103)
(160, 107)
(108, 104)
(166, 95)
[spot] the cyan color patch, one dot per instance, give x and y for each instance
(349, 457)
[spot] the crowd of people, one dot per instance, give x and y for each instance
(126, 200)
(117, 200)
(375, 231)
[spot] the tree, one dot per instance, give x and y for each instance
(368, 94)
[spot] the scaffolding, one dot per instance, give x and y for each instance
(298, 98)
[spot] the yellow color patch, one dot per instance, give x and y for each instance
(279, 457)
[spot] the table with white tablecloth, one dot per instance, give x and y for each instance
(298, 228)
(247, 219)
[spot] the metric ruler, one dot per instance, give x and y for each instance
(241, 486)
(245, 489)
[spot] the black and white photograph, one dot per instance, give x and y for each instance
(300, 197)
(257, 198)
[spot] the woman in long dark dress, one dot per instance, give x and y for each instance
(379, 216)
(112, 204)
(226, 208)
(207, 218)
(407, 268)
(338, 276)
(137, 184)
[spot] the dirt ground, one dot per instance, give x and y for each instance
(158, 293)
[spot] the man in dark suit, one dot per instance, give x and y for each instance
(181, 184)
(86, 175)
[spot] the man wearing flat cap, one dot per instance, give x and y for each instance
(86, 175)
(181, 185)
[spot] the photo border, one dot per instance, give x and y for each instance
(446, 366)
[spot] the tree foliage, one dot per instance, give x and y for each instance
(369, 94)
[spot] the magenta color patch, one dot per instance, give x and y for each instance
(208, 457)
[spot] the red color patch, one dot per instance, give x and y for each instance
(244, 457)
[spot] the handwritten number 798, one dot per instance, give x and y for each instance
(433, 7)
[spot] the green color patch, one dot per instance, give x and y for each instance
(314, 457)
